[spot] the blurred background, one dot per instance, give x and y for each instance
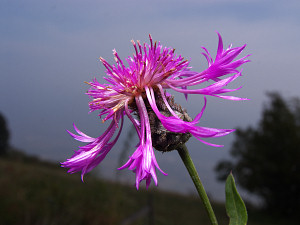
(49, 48)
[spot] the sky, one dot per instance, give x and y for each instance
(49, 48)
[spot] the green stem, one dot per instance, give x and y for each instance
(187, 160)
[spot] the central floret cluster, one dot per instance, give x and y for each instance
(140, 88)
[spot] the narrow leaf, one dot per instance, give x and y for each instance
(235, 207)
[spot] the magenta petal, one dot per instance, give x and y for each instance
(143, 162)
(81, 137)
(175, 124)
(89, 156)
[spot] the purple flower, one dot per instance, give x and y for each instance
(139, 89)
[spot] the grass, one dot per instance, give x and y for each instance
(36, 193)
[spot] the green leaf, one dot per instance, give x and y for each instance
(235, 207)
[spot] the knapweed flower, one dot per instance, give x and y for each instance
(138, 91)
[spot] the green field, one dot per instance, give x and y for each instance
(36, 193)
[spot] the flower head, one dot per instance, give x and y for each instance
(140, 89)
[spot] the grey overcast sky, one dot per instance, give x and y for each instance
(49, 48)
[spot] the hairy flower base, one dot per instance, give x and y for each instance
(139, 89)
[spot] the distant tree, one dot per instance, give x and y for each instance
(4, 136)
(267, 158)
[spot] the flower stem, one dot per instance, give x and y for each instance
(187, 160)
